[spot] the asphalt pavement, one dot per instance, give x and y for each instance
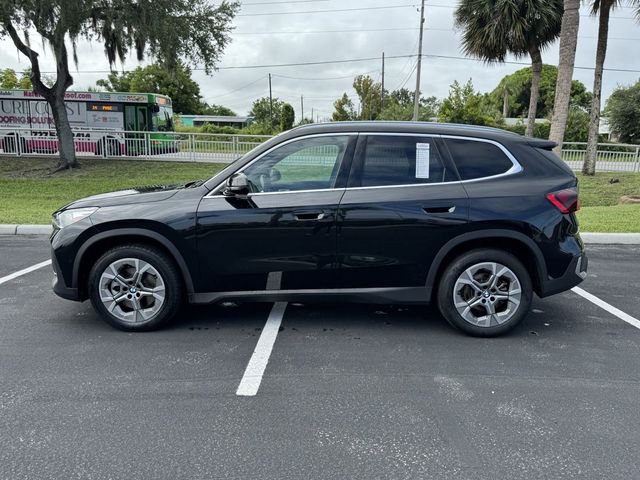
(350, 391)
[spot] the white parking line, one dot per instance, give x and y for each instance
(252, 377)
(24, 271)
(609, 308)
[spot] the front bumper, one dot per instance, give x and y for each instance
(58, 285)
(574, 275)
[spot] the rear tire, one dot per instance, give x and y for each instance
(136, 288)
(485, 292)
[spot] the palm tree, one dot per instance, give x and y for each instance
(602, 8)
(568, 44)
(491, 30)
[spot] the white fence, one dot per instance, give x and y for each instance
(612, 157)
(206, 147)
(189, 147)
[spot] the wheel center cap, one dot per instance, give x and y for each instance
(133, 290)
(485, 294)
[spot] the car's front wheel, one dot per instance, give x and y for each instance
(485, 292)
(135, 288)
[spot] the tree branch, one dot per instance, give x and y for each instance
(32, 55)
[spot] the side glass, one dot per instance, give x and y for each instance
(400, 160)
(305, 164)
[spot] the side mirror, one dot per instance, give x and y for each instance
(237, 185)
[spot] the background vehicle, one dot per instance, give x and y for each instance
(475, 219)
(103, 123)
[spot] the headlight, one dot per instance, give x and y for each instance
(63, 219)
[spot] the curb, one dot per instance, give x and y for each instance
(588, 237)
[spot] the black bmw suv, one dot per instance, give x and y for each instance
(474, 219)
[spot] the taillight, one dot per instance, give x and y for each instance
(565, 200)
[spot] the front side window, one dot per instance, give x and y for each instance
(477, 159)
(305, 164)
(400, 160)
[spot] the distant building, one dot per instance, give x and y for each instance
(217, 120)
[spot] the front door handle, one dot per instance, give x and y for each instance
(310, 217)
(449, 209)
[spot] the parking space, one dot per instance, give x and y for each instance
(349, 391)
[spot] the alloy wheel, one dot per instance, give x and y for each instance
(487, 294)
(132, 290)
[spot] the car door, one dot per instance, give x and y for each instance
(287, 223)
(404, 201)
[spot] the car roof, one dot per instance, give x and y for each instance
(432, 128)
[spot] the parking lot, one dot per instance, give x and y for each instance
(349, 391)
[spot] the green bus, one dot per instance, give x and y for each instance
(105, 123)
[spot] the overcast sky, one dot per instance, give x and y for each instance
(269, 32)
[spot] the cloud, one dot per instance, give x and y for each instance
(257, 41)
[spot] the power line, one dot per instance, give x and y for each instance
(352, 60)
(325, 78)
(310, 32)
(386, 7)
(288, 1)
(238, 89)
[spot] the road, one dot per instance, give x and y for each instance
(350, 391)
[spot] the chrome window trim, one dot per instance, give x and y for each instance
(515, 165)
(214, 192)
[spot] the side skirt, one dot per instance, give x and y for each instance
(403, 295)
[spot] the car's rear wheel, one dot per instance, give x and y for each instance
(135, 288)
(485, 292)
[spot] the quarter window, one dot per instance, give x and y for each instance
(400, 160)
(476, 159)
(306, 164)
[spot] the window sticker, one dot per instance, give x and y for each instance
(422, 160)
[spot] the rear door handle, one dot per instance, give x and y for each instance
(309, 217)
(449, 209)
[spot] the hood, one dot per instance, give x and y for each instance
(154, 193)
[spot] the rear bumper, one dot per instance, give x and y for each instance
(574, 275)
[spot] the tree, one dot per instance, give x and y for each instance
(515, 91)
(167, 30)
(399, 107)
(602, 8)
(493, 29)
(369, 93)
(218, 110)
(568, 46)
(9, 80)
(465, 105)
(116, 82)
(577, 129)
(288, 115)
(155, 78)
(344, 110)
(623, 111)
(261, 112)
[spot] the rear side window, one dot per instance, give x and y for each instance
(399, 160)
(476, 159)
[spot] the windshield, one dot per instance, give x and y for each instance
(163, 120)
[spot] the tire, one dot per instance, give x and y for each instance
(112, 147)
(468, 280)
(140, 304)
(9, 144)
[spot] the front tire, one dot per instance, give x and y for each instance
(135, 288)
(485, 292)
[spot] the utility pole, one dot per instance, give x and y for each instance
(270, 105)
(302, 108)
(416, 96)
(382, 92)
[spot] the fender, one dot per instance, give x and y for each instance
(164, 241)
(484, 234)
